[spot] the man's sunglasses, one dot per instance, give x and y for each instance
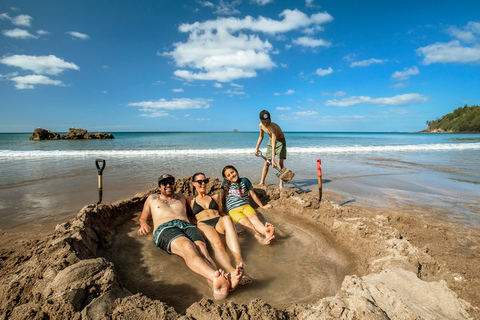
(200, 182)
(166, 183)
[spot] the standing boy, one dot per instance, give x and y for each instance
(276, 144)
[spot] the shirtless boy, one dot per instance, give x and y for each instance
(276, 144)
(174, 234)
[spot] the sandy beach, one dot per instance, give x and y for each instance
(365, 262)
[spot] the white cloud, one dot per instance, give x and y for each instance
(261, 2)
(465, 48)
(28, 82)
(309, 42)
(283, 108)
(306, 113)
(18, 33)
(366, 63)
(42, 32)
(288, 92)
(22, 20)
(218, 85)
(399, 100)
(39, 64)
(405, 74)
(451, 52)
(227, 8)
(157, 108)
(323, 72)
(78, 35)
(177, 90)
(227, 49)
(469, 34)
(232, 93)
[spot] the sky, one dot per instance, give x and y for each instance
(145, 65)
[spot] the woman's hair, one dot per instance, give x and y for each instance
(197, 174)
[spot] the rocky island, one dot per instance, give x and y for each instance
(72, 134)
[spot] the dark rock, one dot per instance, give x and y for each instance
(42, 134)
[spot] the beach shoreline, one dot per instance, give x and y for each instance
(437, 257)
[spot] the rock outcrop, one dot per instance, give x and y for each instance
(72, 134)
(42, 134)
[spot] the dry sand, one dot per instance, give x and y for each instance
(389, 265)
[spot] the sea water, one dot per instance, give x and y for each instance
(48, 181)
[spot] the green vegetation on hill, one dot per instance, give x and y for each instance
(463, 119)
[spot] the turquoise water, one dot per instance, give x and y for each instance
(44, 181)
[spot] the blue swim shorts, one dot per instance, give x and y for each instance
(169, 231)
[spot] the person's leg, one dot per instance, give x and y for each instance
(264, 172)
(183, 247)
(219, 251)
(280, 166)
(267, 229)
(251, 229)
(225, 226)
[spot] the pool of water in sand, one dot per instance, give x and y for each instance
(303, 265)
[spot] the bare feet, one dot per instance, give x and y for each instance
(269, 233)
(221, 285)
(236, 276)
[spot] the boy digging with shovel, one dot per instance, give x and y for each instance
(276, 144)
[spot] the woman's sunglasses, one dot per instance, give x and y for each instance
(202, 181)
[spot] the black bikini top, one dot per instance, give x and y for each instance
(198, 208)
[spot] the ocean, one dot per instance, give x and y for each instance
(50, 181)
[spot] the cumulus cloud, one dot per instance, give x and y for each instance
(464, 48)
(28, 82)
(366, 63)
(78, 35)
(306, 113)
(157, 108)
(21, 20)
(177, 90)
(18, 33)
(50, 65)
(283, 108)
(323, 72)
(310, 42)
(399, 100)
(261, 2)
(405, 74)
(288, 92)
(227, 49)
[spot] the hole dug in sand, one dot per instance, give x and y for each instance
(302, 265)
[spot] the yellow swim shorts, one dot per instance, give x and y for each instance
(239, 213)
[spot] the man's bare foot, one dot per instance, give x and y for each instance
(236, 276)
(221, 285)
(269, 233)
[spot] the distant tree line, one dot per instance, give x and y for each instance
(463, 119)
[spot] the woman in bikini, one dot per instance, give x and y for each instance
(207, 213)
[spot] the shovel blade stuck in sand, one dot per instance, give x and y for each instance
(286, 175)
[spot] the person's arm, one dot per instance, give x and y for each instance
(145, 218)
(257, 200)
(219, 202)
(260, 139)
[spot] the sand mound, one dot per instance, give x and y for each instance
(63, 277)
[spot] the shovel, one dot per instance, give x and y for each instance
(284, 174)
(100, 171)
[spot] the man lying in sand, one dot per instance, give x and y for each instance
(174, 234)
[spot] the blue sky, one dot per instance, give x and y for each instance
(148, 65)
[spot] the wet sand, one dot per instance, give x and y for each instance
(396, 265)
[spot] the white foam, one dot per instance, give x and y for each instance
(205, 152)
